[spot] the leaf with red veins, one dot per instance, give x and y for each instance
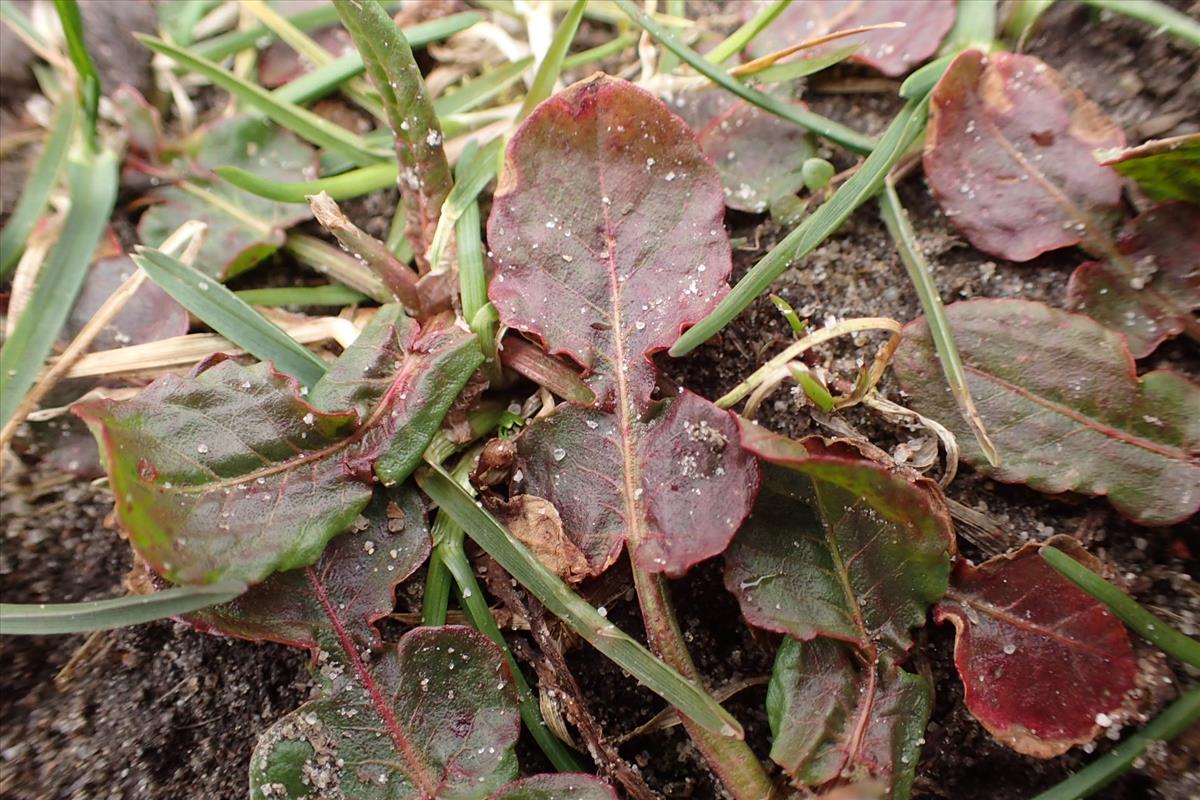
(838, 546)
(1040, 659)
(758, 155)
(232, 473)
(433, 717)
(1063, 403)
(1160, 300)
(891, 51)
(1009, 157)
(833, 717)
(358, 573)
(607, 234)
(563, 786)
(675, 486)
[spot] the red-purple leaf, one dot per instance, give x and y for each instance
(243, 228)
(1062, 400)
(434, 717)
(1009, 156)
(231, 473)
(607, 233)
(149, 315)
(757, 154)
(674, 487)
(564, 786)
(1155, 290)
(833, 717)
(1040, 659)
(1165, 169)
(357, 573)
(839, 547)
(891, 51)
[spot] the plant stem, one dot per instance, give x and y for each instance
(332, 262)
(1177, 718)
(731, 760)
(1143, 622)
(898, 225)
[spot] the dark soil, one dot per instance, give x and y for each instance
(161, 712)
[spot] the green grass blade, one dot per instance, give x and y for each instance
(98, 615)
(472, 281)
(36, 193)
(1139, 619)
(323, 80)
(92, 184)
(921, 82)
(1154, 13)
(600, 51)
(329, 295)
(483, 88)
(833, 131)
(89, 79)
(815, 228)
(298, 120)
(737, 41)
(1177, 718)
(478, 174)
(1022, 16)
(895, 217)
(576, 612)
(11, 13)
(340, 187)
(551, 66)
(974, 26)
(230, 316)
(792, 70)
(219, 47)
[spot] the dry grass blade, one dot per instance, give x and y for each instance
(762, 62)
(669, 717)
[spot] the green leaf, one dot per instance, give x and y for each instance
(839, 546)
(242, 229)
(92, 184)
(425, 177)
(471, 181)
(340, 187)
(298, 120)
(331, 294)
(1165, 169)
(232, 472)
(432, 717)
(1062, 400)
(833, 717)
(99, 615)
(488, 85)
(85, 67)
(36, 192)
(228, 315)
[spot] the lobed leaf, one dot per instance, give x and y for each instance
(675, 486)
(1157, 302)
(1039, 658)
(243, 228)
(231, 472)
(838, 546)
(835, 718)
(757, 154)
(358, 572)
(892, 52)
(1062, 400)
(607, 233)
(434, 717)
(1008, 155)
(1165, 169)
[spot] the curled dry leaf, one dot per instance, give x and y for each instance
(1165, 169)
(1061, 398)
(433, 717)
(233, 473)
(833, 717)
(1160, 298)
(839, 546)
(607, 232)
(758, 154)
(1008, 155)
(243, 228)
(1041, 661)
(535, 521)
(891, 51)
(675, 486)
(357, 575)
